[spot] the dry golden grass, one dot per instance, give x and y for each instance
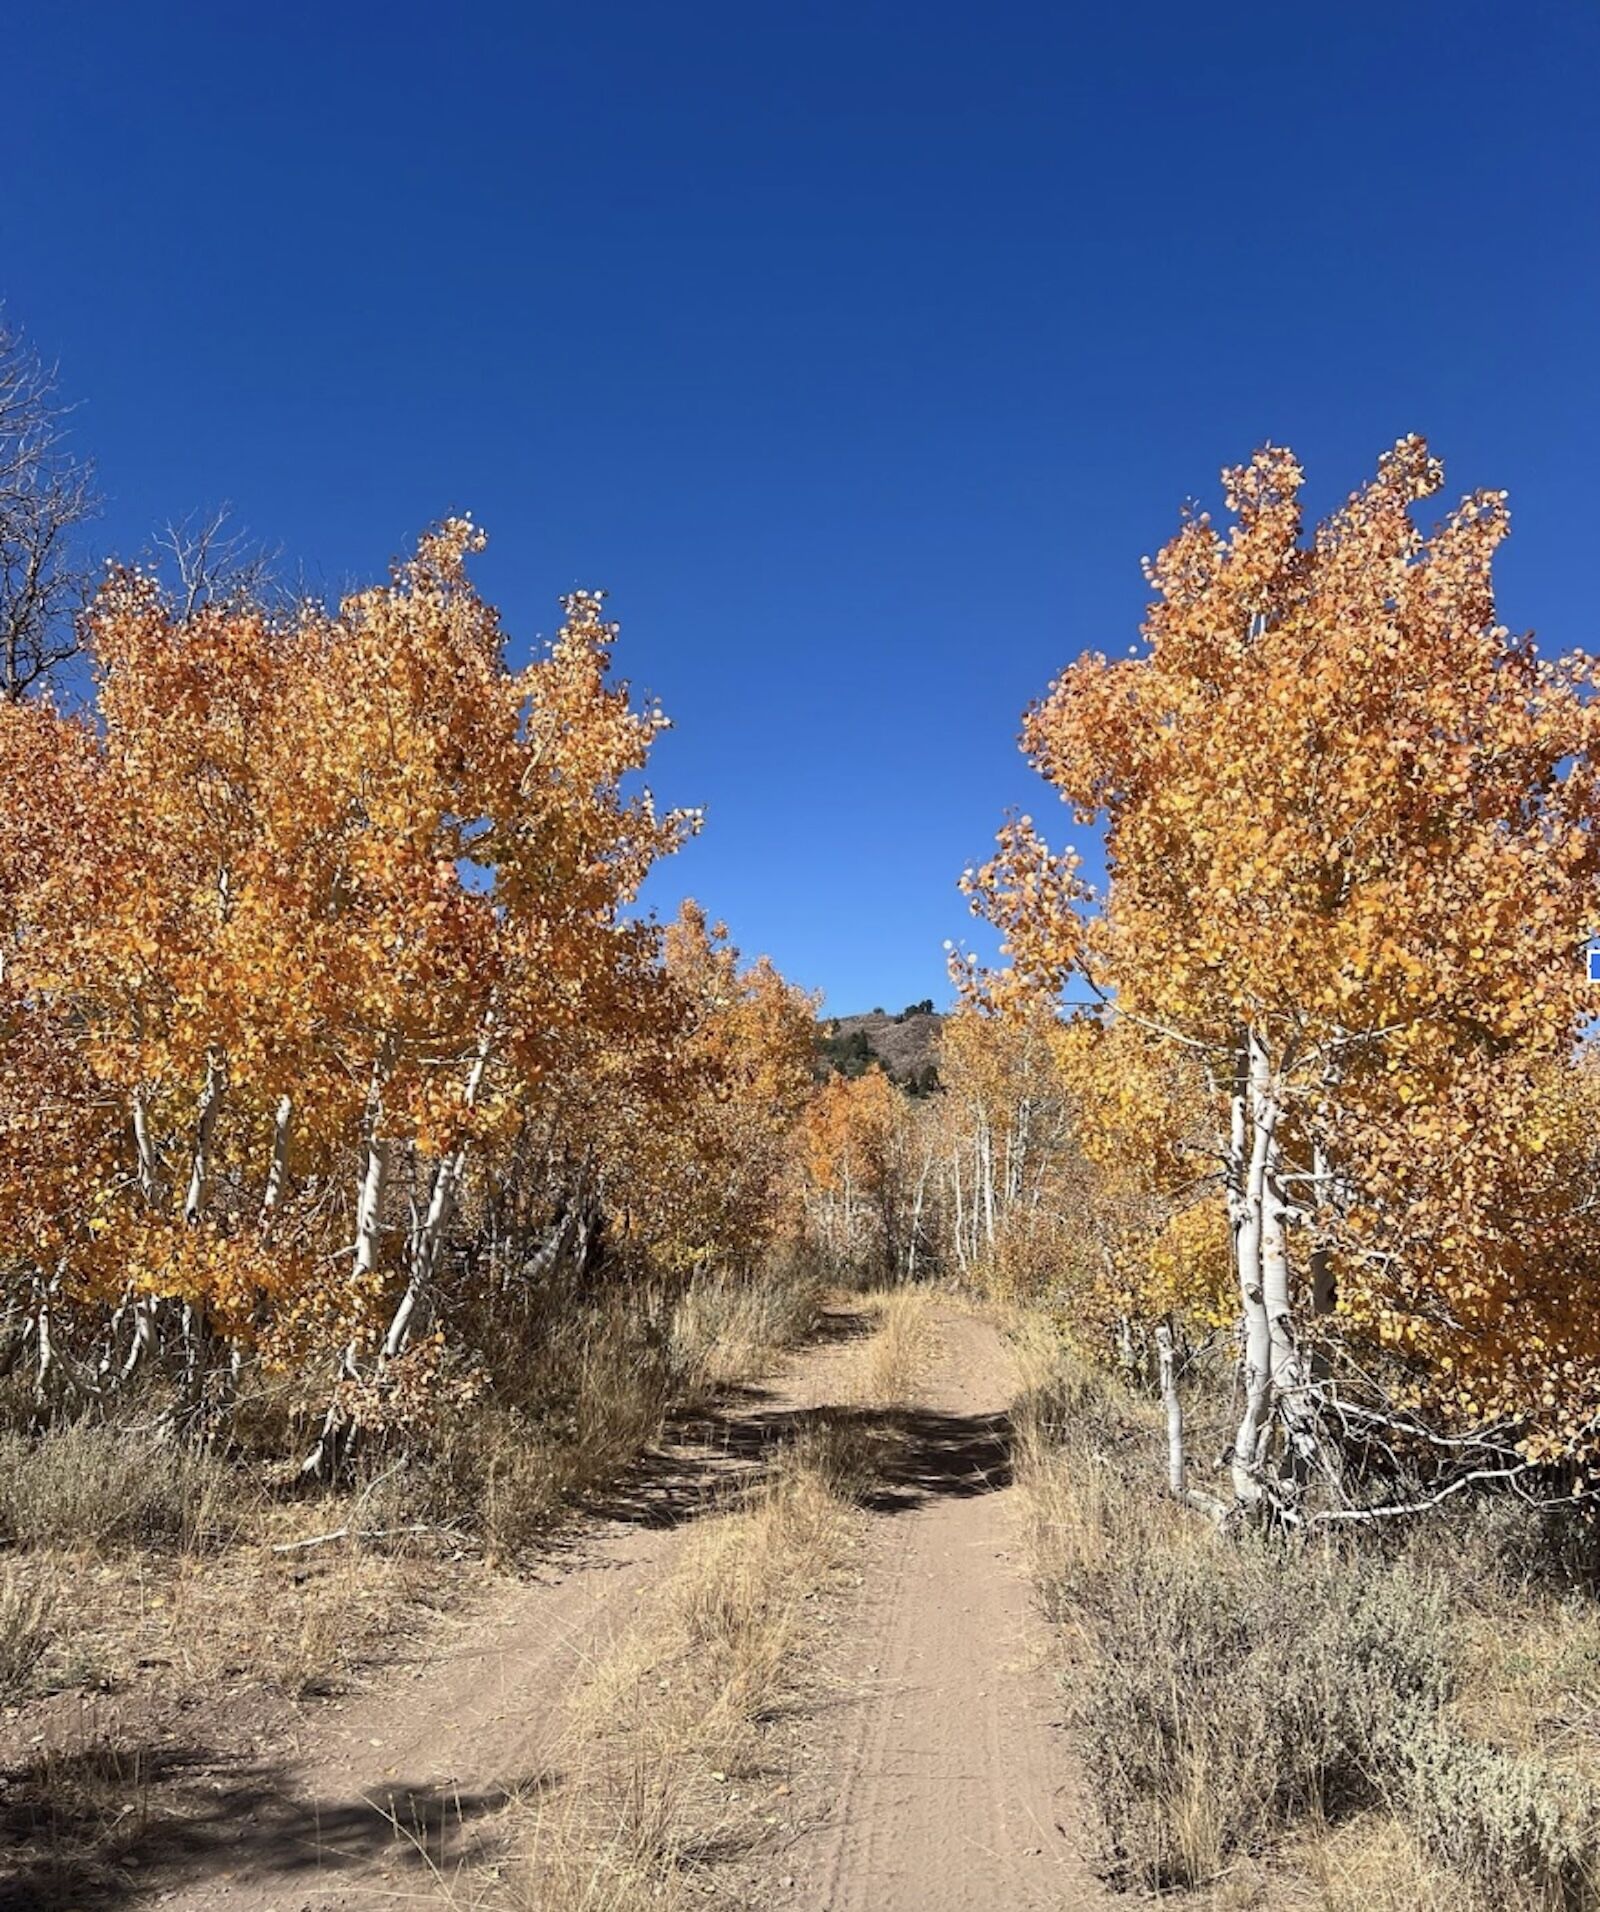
(1532, 1678)
(179, 1623)
(1373, 1864)
(591, 1387)
(25, 1632)
(665, 1752)
(891, 1364)
(727, 1329)
(666, 1755)
(135, 1562)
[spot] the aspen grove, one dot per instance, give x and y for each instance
(332, 1043)
(323, 1015)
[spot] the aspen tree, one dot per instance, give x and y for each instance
(1352, 864)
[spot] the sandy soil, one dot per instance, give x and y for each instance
(389, 1792)
(945, 1780)
(930, 1775)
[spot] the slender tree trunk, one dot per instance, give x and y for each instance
(47, 1351)
(322, 1461)
(1291, 1378)
(1256, 1330)
(148, 1155)
(428, 1246)
(374, 1179)
(278, 1169)
(916, 1215)
(205, 1127)
(986, 1146)
(143, 1344)
(1174, 1409)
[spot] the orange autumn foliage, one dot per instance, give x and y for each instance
(304, 938)
(1353, 857)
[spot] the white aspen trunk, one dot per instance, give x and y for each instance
(987, 1157)
(144, 1337)
(374, 1176)
(1024, 1135)
(1124, 1336)
(108, 1357)
(149, 1159)
(369, 1207)
(131, 1308)
(364, 1256)
(205, 1127)
(47, 1350)
(278, 1170)
(955, 1187)
(1291, 1378)
(194, 1337)
(428, 1245)
(975, 1206)
(1275, 1271)
(849, 1194)
(1256, 1349)
(1174, 1408)
(916, 1214)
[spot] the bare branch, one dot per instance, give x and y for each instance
(212, 562)
(45, 494)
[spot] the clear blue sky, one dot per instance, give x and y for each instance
(858, 350)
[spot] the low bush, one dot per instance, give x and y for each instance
(1231, 1690)
(86, 1484)
(1512, 1825)
(1232, 1697)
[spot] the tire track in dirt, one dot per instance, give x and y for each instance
(951, 1783)
(939, 1779)
(406, 1780)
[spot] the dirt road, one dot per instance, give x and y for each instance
(388, 1795)
(931, 1775)
(952, 1785)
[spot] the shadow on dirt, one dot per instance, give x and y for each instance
(711, 1455)
(106, 1824)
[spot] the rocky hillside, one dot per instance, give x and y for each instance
(906, 1044)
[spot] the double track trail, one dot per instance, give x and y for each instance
(930, 1776)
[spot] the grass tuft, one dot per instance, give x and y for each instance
(24, 1633)
(95, 1486)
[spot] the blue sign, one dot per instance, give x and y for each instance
(1594, 963)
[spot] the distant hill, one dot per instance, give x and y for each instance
(907, 1045)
